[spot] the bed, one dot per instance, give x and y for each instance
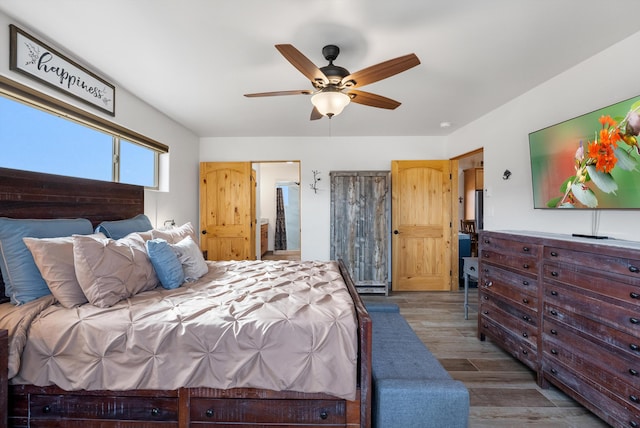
(183, 400)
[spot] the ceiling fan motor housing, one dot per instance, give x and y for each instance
(334, 73)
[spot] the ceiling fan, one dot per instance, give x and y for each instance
(335, 85)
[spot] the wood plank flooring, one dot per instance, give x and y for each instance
(503, 392)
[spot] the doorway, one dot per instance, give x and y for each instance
(468, 206)
(278, 210)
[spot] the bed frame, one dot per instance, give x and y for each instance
(36, 195)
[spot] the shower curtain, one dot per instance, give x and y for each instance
(280, 238)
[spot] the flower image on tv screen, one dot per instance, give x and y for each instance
(589, 162)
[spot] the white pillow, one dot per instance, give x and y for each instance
(174, 235)
(109, 271)
(191, 258)
(54, 258)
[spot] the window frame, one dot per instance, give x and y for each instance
(44, 102)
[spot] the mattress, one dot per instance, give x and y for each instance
(278, 325)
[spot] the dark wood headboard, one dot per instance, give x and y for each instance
(25, 194)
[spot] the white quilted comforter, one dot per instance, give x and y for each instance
(278, 325)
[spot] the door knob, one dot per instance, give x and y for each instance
(395, 232)
(204, 232)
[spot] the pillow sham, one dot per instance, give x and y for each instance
(120, 228)
(111, 270)
(176, 234)
(54, 259)
(190, 256)
(23, 281)
(165, 262)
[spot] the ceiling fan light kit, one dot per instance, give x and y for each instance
(334, 85)
(330, 102)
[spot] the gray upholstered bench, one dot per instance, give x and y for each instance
(410, 386)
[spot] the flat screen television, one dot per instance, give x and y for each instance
(590, 161)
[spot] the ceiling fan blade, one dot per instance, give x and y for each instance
(372, 100)
(380, 71)
(277, 93)
(315, 114)
(303, 64)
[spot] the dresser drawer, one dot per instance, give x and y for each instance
(620, 288)
(312, 412)
(489, 301)
(620, 342)
(517, 322)
(95, 407)
(510, 294)
(612, 317)
(522, 263)
(592, 396)
(604, 366)
(510, 246)
(514, 345)
(598, 261)
(492, 275)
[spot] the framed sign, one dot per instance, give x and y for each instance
(35, 59)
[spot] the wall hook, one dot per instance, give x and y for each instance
(316, 178)
(506, 174)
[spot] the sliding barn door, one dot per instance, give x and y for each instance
(360, 226)
(227, 210)
(421, 224)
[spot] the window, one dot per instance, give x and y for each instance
(39, 134)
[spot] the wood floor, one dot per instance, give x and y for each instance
(503, 392)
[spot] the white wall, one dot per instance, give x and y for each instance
(179, 198)
(323, 154)
(604, 79)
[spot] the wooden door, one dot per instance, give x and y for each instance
(421, 225)
(227, 206)
(360, 226)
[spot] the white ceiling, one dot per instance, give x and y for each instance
(194, 59)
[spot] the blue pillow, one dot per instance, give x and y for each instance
(23, 281)
(120, 228)
(166, 263)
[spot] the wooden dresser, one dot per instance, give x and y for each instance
(569, 308)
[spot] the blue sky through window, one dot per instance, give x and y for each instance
(31, 139)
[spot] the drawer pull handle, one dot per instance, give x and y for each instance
(633, 269)
(634, 347)
(634, 320)
(525, 282)
(554, 331)
(525, 334)
(633, 424)
(554, 293)
(525, 249)
(554, 254)
(485, 297)
(554, 273)
(553, 312)
(633, 372)
(46, 409)
(634, 295)
(486, 241)
(554, 352)
(209, 413)
(634, 398)
(525, 300)
(324, 414)
(485, 312)
(525, 266)
(554, 371)
(155, 411)
(488, 284)
(526, 318)
(525, 352)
